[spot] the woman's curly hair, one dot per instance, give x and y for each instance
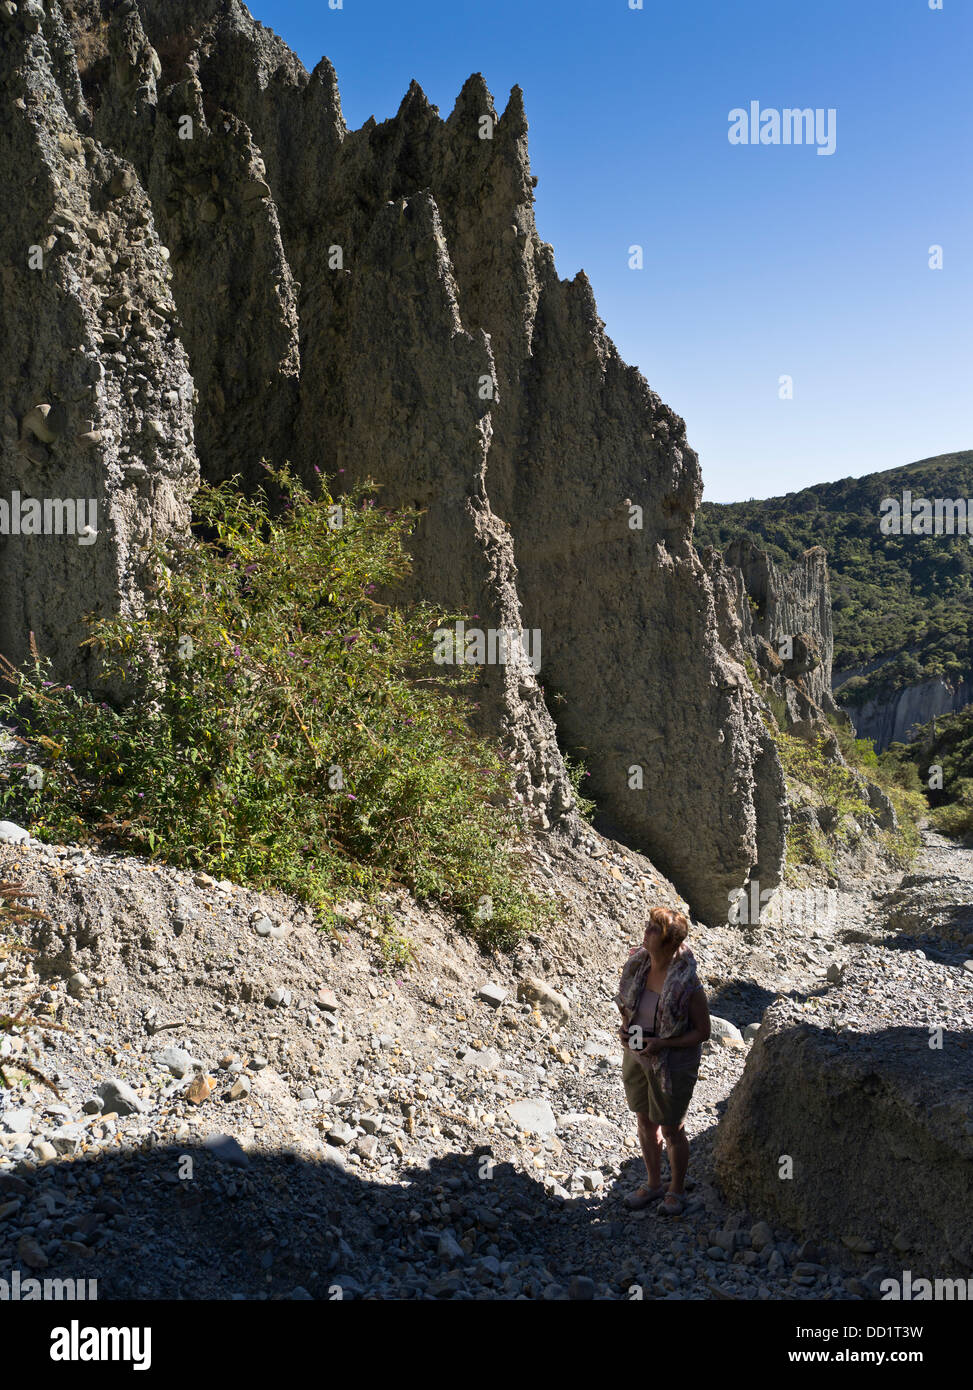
(673, 926)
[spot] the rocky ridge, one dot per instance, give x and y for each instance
(367, 303)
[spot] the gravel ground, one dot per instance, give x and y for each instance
(251, 1108)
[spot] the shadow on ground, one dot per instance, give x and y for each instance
(201, 1222)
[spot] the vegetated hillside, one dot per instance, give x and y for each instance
(942, 751)
(902, 603)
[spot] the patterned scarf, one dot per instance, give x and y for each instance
(672, 1016)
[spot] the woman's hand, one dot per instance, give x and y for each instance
(633, 1032)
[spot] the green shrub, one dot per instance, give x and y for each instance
(827, 783)
(778, 706)
(577, 773)
(276, 724)
(956, 817)
(831, 783)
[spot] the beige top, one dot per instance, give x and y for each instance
(680, 1058)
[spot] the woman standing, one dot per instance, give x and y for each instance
(665, 1021)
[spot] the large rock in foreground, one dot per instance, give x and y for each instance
(877, 1119)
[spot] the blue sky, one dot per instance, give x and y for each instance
(760, 261)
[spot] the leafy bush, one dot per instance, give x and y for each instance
(272, 722)
(900, 783)
(939, 760)
(817, 780)
(833, 784)
(956, 817)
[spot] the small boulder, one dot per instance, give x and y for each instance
(29, 1250)
(722, 1030)
(547, 1000)
(121, 183)
(761, 1235)
(533, 1116)
(227, 1150)
(121, 1099)
(67, 1139)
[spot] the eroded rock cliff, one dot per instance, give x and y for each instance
(779, 621)
(97, 393)
(898, 716)
(374, 303)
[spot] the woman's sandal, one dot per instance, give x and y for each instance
(673, 1210)
(643, 1196)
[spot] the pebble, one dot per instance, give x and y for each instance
(16, 1121)
(29, 1250)
(177, 1059)
(492, 994)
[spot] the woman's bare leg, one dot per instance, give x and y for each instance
(651, 1143)
(677, 1145)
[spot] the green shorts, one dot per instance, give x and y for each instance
(644, 1093)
